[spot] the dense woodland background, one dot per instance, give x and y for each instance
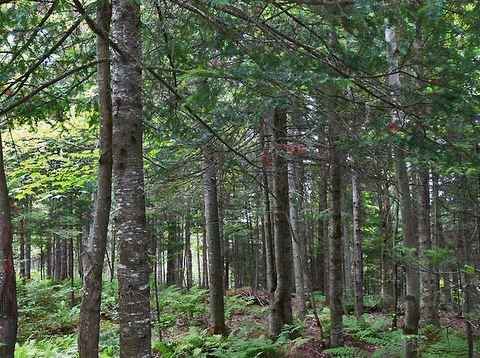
(295, 178)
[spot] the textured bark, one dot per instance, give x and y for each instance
(95, 248)
(386, 231)
(21, 241)
(64, 259)
(406, 209)
(215, 260)
(58, 260)
(445, 292)
(323, 232)
(335, 239)
(295, 186)
(204, 255)
(49, 258)
(428, 307)
(172, 267)
(8, 298)
(199, 266)
(128, 182)
(188, 252)
(96, 245)
(281, 311)
(357, 244)
(179, 248)
(220, 154)
(267, 227)
(28, 244)
(410, 328)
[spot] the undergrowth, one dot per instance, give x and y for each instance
(48, 321)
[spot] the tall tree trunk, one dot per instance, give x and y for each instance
(215, 260)
(128, 182)
(298, 234)
(322, 231)
(281, 310)
(28, 243)
(445, 294)
(428, 307)
(188, 251)
(199, 266)
(267, 227)
(172, 269)
(406, 207)
(179, 249)
(65, 253)
(335, 250)
(204, 255)
(58, 259)
(387, 267)
(21, 241)
(357, 244)
(95, 247)
(49, 258)
(8, 297)
(221, 212)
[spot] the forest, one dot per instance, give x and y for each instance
(239, 179)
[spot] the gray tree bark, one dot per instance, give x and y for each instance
(281, 310)
(406, 209)
(128, 182)
(357, 244)
(188, 251)
(295, 186)
(215, 260)
(428, 307)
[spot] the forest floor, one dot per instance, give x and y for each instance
(48, 322)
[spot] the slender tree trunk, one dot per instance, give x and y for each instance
(65, 255)
(281, 310)
(357, 244)
(386, 231)
(71, 271)
(204, 255)
(188, 252)
(128, 182)
(28, 243)
(335, 252)
(298, 238)
(445, 294)
(406, 207)
(267, 227)
(428, 307)
(199, 267)
(8, 297)
(215, 261)
(172, 269)
(21, 241)
(113, 254)
(49, 258)
(179, 249)
(322, 232)
(58, 259)
(221, 212)
(95, 248)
